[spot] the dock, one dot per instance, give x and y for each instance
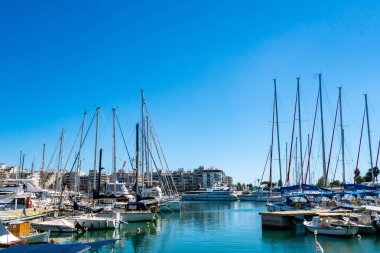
(284, 220)
(29, 214)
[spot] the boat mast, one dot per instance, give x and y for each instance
(296, 161)
(20, 164)
(369, 137)
(278, 133)
(77, 171)
(323, 131)
(271, 152)
(142, 139)
(42, 181)
(286, 157)
(299, 125)
(114, 149)
(96, 147)
(137, 159)
(342, 134)
(360, 144)
(291, 144)
(308, 147)
(147, 149)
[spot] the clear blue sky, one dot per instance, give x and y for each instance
(206, 68)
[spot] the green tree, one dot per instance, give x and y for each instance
(238, 186)
(321, 182)
(335, 183)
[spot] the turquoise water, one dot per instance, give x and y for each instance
(218, 227)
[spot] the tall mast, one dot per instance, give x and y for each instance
(96, 148)
(357, 172)
(137, 159)
(278, 132)
(286, 156)
(147, 150)
(271, 151)
(369, 137)
(114, 149)
(142, 139)
(342, 134)
(20, 164)
(308, 147)
(299, 125)
(323, 131)
(77, 171)
(296, 161)
(42, 167)
(59, 168)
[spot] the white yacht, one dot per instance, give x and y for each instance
(118, 190)
(165, 203)
(211, 194)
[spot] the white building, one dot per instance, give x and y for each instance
(212, 177)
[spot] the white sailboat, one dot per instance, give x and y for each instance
(324, 227)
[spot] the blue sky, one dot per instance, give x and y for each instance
(206, 68)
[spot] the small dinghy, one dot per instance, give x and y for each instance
(7, 239)
(323, 225)
(22, 231)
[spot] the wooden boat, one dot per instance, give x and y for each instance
(59, 225)
(7, 239)
(323, 226)
(22, 231)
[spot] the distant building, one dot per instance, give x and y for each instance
(213, 177)
(198, 178)
(228, 181)
(183, 180)
(103, 179)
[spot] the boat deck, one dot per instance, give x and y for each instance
(31, 214)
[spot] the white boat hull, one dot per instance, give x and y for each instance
(170, 206)
(59, 226)
(95, 223)
(38, 238)
(335, 231)
(135, 217)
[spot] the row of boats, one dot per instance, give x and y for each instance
(344, 212)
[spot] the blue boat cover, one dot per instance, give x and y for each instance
(308, 187)
(57, 248)
(357, 187)
(290, 188)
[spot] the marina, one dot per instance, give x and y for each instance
(189, 126)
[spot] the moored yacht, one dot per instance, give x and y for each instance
(211, 194)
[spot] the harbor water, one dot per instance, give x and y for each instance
(217, 227)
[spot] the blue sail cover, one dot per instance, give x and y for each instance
(357, 187)
(290, 188)
(308, 187)
(57, 248)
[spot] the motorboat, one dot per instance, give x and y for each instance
(248, 196)
(92, 222)
(57, 225)
(323, 225)
(129, 212)
(164, 203)
(211, 194)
